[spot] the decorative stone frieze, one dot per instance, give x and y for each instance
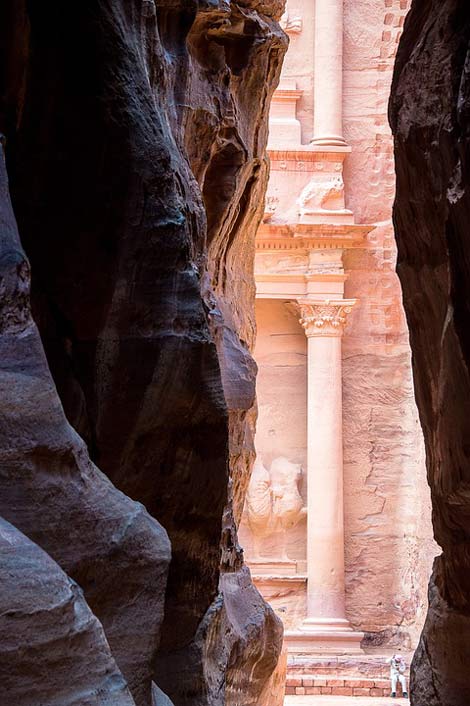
(325, 318)
(309, 236)
(311, 158)
(309, 183)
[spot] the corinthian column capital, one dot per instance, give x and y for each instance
(325, 317)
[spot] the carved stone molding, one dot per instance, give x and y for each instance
(325, 318)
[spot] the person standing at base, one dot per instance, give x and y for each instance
(397, 673)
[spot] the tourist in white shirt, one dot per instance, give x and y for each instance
(397, 674)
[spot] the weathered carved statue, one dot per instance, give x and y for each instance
(291, 23)
(259, 505)
(270, 208)
(322, 195)
(273, 502)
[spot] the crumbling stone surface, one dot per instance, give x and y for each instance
(430, 119)
(136, 140)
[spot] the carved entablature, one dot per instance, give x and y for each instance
(325, 318)
(291, 22)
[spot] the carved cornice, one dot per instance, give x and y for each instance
(325, 318)
(274, 236)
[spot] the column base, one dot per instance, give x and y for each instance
(324, 635)
(330, 140)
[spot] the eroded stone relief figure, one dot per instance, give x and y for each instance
(259, 505)
(322, 195)
(291, 22)
(288, 506)
(274, 503)
(272, 203)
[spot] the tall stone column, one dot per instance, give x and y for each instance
(328, 77)
(326, 623)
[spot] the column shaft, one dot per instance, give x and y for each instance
(326, 628)
(328, 77)
(325, 542)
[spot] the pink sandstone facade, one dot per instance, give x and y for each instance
(337, 522)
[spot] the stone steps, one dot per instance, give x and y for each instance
(363, 675)
(334, 685)
(367, 666)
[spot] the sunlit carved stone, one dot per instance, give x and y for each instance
(324, 323)
(325, 318)
(288, 506)
(291, 22)
(322, 195)
(259, 505)
(335, 245)
(273, 502)
(329, 72)
(284, 126)
(322, 199)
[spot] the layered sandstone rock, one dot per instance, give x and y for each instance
(430, 119)
(52, 647)
(137, 172)
(54, 494)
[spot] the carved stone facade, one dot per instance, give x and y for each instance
(335, 391)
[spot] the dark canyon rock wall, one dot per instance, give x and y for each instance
(135, 147)
(430, 116)
(53, 648)
(54, 494)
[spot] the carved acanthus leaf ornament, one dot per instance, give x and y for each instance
(326, 318)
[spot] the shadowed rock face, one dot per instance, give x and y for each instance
(52, 647)
(109, 544)
(136, 139)
(430, 115)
